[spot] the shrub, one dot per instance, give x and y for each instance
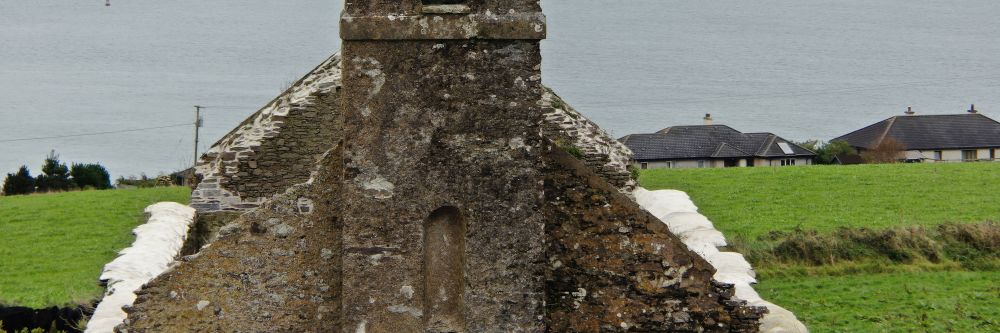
(888, 151)
(967, 244)
(19, 183)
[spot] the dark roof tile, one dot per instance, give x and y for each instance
(925, 132)
(707, 141)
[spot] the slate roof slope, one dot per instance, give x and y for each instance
(708, 141)
(924, 132)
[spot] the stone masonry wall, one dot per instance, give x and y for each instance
(274, 269)
(601, 152)
(257, 160)
(609, 267)
(275, 148)
(613, 267)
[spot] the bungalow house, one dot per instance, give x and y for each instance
(713, 146)
(933, 138)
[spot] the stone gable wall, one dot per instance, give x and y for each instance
(274, 148)
(277, 146)
(608, 157)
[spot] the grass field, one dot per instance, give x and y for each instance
(899, 302)
(875, 212)
(54, 245)
(750, 202)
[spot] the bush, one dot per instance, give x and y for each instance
(966, 244)
(90, 176)
(888, 151)
(19, 183)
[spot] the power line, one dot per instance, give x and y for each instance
(94, 133)
(230, 107)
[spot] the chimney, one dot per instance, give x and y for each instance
(909, 111)
(708, 119)
(972, 109)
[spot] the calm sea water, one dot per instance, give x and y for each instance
(801, 69)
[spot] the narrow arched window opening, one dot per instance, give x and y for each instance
(444, 270)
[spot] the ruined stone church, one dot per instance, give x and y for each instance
(426, 181)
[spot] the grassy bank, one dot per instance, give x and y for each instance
(869, 248)
(752, 202)
(56, 244)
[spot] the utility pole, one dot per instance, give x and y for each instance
(197, 125)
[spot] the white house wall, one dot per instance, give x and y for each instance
(955, 155)
(777, 162)
(693, 164)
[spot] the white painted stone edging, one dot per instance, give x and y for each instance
(156, 245)
(679, 213)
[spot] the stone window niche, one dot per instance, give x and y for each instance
(444, 271)
(445, 7)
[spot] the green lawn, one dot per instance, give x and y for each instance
(54, 245)
(901, 302)
(750, 202)
(874, 294)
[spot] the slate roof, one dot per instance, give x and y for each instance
(930, 132)
(708, 142)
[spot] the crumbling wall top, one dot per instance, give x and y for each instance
(442, 19)
(358, 8)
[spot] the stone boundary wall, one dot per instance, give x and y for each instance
(157, 243)
(676, 210)
(274, 148)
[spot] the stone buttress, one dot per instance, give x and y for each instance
(442, 222)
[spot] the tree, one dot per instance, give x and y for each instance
(19, 183)
(832, 149)
(90, 176)
(813, 145)
(887, 151)
(55, 175)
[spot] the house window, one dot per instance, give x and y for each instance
(644, 165)
(788, 162)
(701, 164)
(970, 155)
(670, 165)
(938, 155)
